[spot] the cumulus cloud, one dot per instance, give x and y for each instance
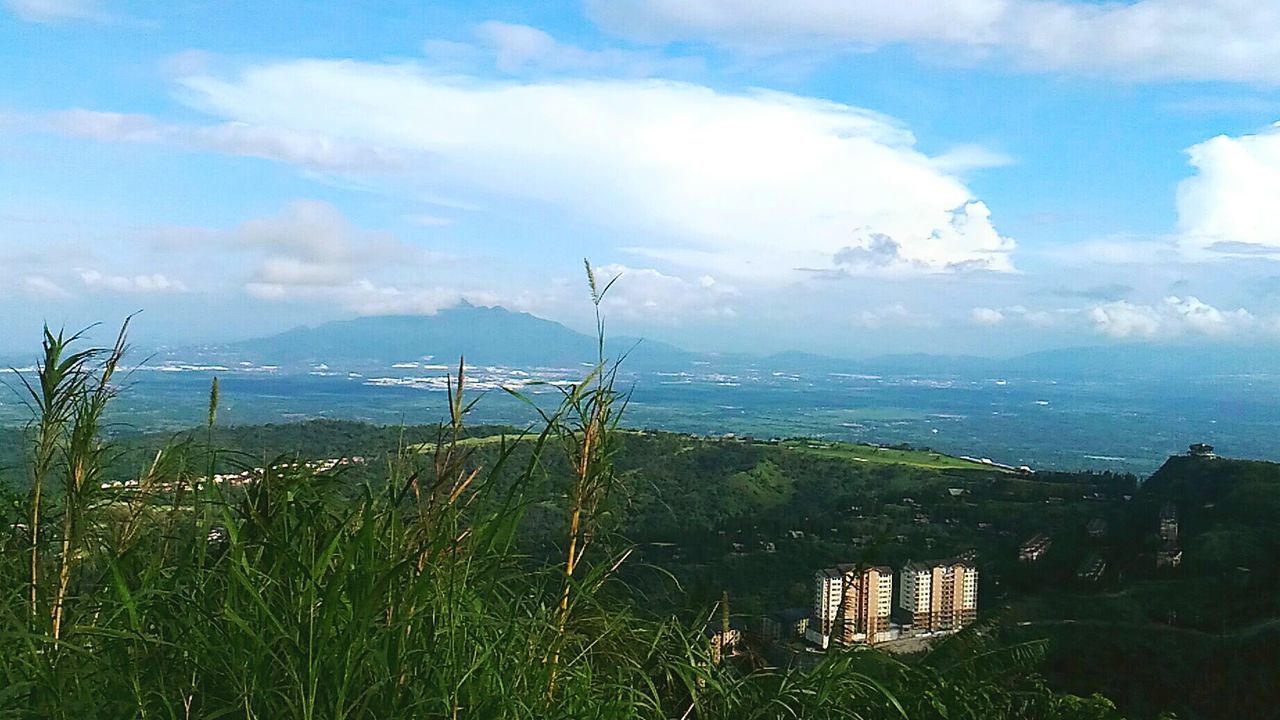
(1230, 40)
(1202, 318)
(312, 253)
(312, 250)
(365, 297)
(153, 283)
(986, 316)
(1124, 319)
(649, 295)
(1174, 316)
(876, 250)
(679, 164)
(1229, 205)
(992, 316)
(47, 11)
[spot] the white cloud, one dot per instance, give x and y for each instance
(894, 315)
(986, 316)
(519, 48)
(47, 11)
(1175, 316)
(1010, 314)
(44, 288)
(646, 294)
(963, 158)
(364, 297)
(1230, 40)
(1123, 319)
(312, 150)
(312, 250)
(1034, 318)
(153, 283)
(1229, 206)
(1206, 319)
(678, 164)
(116, 127)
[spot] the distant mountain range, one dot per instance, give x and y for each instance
(497, 336)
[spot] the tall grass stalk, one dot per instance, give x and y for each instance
(52, 397)
(586, 426)
(84, 464)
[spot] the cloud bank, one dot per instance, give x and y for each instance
(1232, 40)
(749, 185)
(746, 184)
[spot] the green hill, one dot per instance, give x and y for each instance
(1217, 492)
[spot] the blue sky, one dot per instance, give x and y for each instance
(977, 176)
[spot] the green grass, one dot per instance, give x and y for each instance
(427, 447)
(763, 486)
(888, 456)
(854, 452)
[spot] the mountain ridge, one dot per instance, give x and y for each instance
(481, 334)
(499, 336)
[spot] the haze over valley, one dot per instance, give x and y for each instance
(1120, 408)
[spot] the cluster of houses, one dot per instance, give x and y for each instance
(1093, 567)
(238, 479)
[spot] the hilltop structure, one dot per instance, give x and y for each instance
(1201, 450)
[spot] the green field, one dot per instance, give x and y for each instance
(888, 456)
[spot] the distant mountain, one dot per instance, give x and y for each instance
(496, 336)
(484, 335)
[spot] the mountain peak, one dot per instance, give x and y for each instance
(491, 335)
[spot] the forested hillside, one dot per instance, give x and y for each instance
(707, 516)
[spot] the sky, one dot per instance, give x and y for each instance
(985, 177)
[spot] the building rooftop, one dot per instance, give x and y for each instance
(944, 562)
(1200, 450)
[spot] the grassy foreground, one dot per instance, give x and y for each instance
(301, 596)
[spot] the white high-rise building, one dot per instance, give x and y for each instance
(939, 595)
(853, 604)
